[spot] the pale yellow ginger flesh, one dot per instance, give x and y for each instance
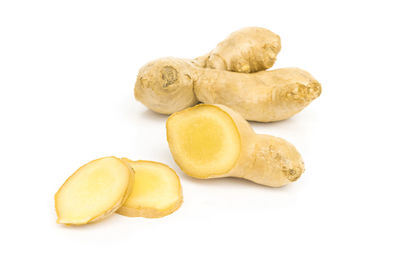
(211, 141)
(156, 191)
(206, 141)
(94, 191)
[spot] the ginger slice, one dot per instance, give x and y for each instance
(156, 192)
(94, 191)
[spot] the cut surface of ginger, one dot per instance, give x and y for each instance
(204, 141)
(94, 191)
(156, 191)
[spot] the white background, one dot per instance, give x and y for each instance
(67, 71)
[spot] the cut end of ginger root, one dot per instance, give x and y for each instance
(94, 191)
(204, 141)
(214, 141)
(156, 192)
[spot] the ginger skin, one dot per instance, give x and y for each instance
(169, 85)
(263, 159)
(247, 50)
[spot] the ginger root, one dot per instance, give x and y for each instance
(156, 192)
(232, 74)
(169, 85)
(212, 141)
(250, 49)
(94, 191)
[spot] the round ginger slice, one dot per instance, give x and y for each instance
(157, 190)
(94, 191)
(204, 141)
